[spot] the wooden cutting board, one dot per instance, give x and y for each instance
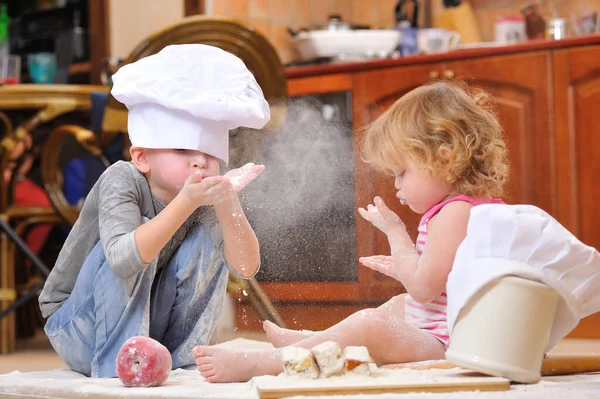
(554, 364)
(270, 387)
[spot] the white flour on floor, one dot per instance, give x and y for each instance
(190, 384)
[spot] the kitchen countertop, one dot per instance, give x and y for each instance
(348, 67)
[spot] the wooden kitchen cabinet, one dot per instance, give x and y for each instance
(576, 115)
(576, 98)
(520, 85)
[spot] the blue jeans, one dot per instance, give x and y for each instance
(178, 306)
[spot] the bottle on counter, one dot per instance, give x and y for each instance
(4, 22)
(79, 47)
(535, 26)
(407, 25)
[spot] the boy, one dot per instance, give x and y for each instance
(151, 250)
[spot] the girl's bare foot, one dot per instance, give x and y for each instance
(281, 337)
(231, 365)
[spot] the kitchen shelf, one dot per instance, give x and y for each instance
(80, 68)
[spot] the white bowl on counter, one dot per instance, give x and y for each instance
(347, 44)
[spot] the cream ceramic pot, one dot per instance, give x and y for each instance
(347, 44)
(344, 41)
(504, 329)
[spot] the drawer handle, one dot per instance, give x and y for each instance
(449, 74)
(433, 75)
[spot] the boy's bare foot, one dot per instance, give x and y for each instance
(230, 365)
(281, 337)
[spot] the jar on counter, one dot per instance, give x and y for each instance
(509, 29)
(557, 28)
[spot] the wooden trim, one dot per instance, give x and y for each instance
(566, 161)
(311, 292)
(553, 156)
(341, 292)
(319, 85)
(368, 290)
(297, 316)
(99, 37)
(80, 68)
(193, 7)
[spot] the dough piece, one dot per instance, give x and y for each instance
(299, 361)
(329, 358)
(357, 360)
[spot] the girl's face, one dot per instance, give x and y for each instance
(169, 168)
(418, 190)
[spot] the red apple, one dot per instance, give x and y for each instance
(143, 362)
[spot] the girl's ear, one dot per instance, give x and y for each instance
(446, 154)
(448, 157)
(139, 160)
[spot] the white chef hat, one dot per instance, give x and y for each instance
(525, 241)
(189, 96)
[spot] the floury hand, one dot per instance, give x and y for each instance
(380, 263)
(198, 190)
(381, 216)
(240, 177)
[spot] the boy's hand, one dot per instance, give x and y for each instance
(199, 190)
(380, 263)
(381, 216)
(240, 177)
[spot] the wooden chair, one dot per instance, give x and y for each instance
(17, 153)
(230, 35)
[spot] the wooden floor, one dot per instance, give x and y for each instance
(36, 354)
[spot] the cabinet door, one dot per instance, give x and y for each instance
(576, 99)
(373, 92)
(576, 96)
(521, 86)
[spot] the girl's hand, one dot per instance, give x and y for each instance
(198, 190)
(380, 263)
(240, 177)
(381, 216)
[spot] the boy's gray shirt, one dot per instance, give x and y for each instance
(113, 209)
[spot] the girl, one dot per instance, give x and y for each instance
(445, 148)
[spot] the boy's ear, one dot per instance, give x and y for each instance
(138, 158)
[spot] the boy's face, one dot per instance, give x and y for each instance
(169, 168)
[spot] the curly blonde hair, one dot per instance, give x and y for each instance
(452, 131)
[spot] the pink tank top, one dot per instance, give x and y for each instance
(432, 316)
